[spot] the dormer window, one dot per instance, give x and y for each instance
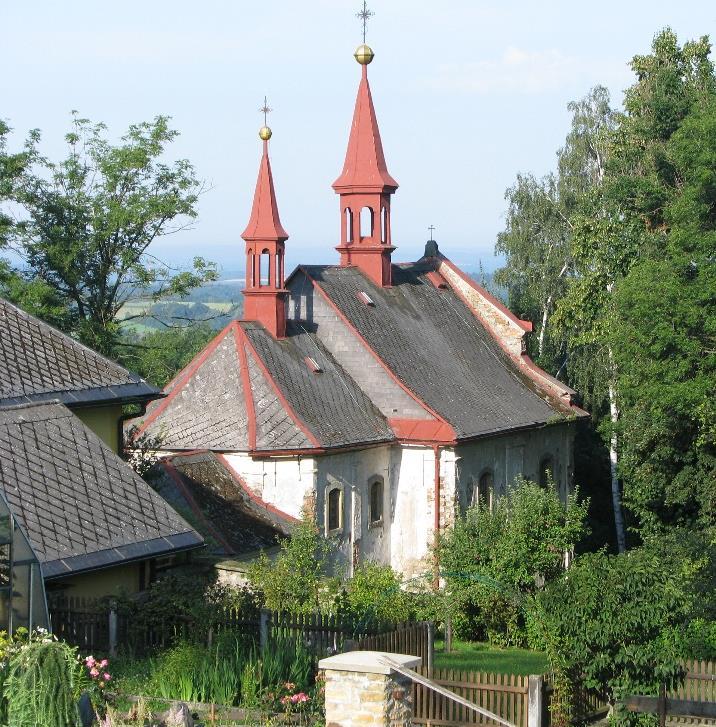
(363, 297)
(313, 365)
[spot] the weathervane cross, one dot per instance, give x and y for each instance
(365, 15)
(265, 110)
(432, 229)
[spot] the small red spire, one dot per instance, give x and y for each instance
(365, 188)
(365, 169)
(265, 294)
(264, 223)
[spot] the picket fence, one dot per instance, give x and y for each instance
(94, 626)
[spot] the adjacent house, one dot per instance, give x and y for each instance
(93, 525)
(379, 397)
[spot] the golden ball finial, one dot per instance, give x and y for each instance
(265, 133)
(364, 54)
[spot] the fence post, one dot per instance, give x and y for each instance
(263, 628)
(113, 628)
(535, 690)
(430, 656)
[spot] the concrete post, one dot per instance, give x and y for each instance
(113, 628)
(361, 691)
(535, 691)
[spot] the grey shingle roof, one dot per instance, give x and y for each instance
(239, 521)
(333, 407)
(436, 346)
(39, 363)
(79, 504)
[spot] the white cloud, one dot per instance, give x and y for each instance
(523, 71)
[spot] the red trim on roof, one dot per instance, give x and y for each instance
(422, 430)
(375, 355)
(297, 420)
(182, 378)
(437, 280)
(186, 494)
(524, 325)
(250, 493)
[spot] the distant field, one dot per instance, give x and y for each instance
(137, 307)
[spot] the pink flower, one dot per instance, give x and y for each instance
(299, 698)
(90, 662)
(106, 676)
(285, 700)
(94, 672)
(103, 663)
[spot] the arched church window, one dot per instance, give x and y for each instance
(366, 222)
(546, 470)
(251, 270)
(348, 213)
(264, 267)
(484, 492)
(278, 278)
(384, 225)
(376, 500)
(334, 509)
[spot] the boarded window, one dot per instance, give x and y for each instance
(376, 500)
(334, 509)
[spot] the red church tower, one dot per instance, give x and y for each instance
(265, 294)
(365, 188)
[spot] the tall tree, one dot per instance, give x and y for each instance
(91, 218)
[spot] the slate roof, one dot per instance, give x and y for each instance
(438, 349)
(221, 504)
(39, 363)
(81, 507)
(294, 408)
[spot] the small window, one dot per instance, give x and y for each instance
(365, 298)
(264, 267)
(546, 471)
(376, 500)
(334, 509)
(484, 492)
(384, 225)
(349, 224)
(366, 222)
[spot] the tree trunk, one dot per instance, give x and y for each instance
(543, 327)
(613, 461)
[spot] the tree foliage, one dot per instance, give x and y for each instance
(87, 223)
(493, 557)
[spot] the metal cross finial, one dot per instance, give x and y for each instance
(432, 229)
(265, 110)
(364, 15)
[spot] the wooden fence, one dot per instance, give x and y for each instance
(95, 626)
(413, 637)
(506, 695)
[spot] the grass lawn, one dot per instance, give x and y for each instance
(468, 656)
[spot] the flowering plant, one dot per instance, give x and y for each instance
(288, 699)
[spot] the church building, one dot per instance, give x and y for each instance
(382, 398)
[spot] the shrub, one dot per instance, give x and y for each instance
(374, 593)
(493, 558)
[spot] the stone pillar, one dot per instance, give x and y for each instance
(361, 691)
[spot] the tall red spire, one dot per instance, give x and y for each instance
(365, 187)
(265, 294)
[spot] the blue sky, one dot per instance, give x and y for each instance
(468, 93)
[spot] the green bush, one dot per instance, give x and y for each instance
(493, 558)
(374, 593)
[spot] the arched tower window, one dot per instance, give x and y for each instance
(264, 267)
(250, 269)
(546, 470)
(348, 221)
(278, 277)
(376, 499)
(367, 222)
(333, 506)
(384, 225)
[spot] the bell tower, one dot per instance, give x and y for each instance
(265, 294)
(365, 188)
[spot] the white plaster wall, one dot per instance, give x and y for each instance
(512, 454)
(289, 483)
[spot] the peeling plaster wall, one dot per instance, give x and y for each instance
(509, 455)
(289, 483)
